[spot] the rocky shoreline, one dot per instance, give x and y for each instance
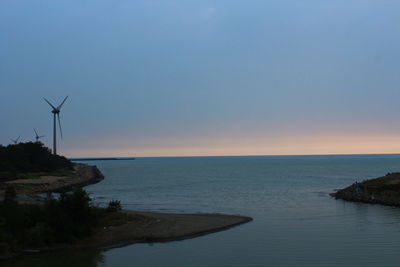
(383, 190)
(81, 175)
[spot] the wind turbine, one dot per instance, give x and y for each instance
(15, 141)
(37, 136)
(56, 113)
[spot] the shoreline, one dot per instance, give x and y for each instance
(383, 190)
(147, 227)
(140, 227)
(163, 227)
(81, 176)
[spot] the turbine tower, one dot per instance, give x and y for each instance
(37, 136)
(15, 141)
(56, 113)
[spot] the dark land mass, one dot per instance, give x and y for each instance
(28, 160)
(121, 228)
(383, 190)
(81, 175)
(72, 221)
(31, 168)
(162, 227)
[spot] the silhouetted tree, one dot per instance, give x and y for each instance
(29, 157)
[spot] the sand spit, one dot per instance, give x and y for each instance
(383, 190)
(163, 227)
(147, 227)
(142, 227)
(82, 175)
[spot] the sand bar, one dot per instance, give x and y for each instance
(162, 227)
(148, 227)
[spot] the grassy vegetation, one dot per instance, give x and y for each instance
(388, 185)
(64, 220)
(32, 175)
(31, 160)
(67, 219)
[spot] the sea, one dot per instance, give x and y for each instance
(295, 221)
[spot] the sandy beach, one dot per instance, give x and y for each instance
(162, 227)
(147, 227)
(137, 227)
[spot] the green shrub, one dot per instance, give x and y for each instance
(9, 194)
(29, 157)
(65, 219)
(114, 205)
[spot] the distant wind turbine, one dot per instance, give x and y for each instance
(37, 136)
(56, 113)
(15, 141)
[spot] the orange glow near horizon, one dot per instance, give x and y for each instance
(310, 145)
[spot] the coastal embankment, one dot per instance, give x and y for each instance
(80, 176)
(383, 190)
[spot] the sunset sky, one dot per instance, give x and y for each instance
(187, 78)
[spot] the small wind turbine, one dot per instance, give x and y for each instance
(56, 113)
(15, 141)
(37, 136)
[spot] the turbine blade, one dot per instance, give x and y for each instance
(18, 138)
(59, 124)
(62, 103)
(35, 132)
(49, 103)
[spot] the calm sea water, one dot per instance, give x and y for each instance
(296, 223)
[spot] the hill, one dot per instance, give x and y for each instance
(27, 160)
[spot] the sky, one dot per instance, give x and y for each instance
(197, 78)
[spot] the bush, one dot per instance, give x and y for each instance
(29, 157)
(10, 194)
(71, 216)
(65, 219)
(114, 205)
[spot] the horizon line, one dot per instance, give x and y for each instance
(249, 155)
